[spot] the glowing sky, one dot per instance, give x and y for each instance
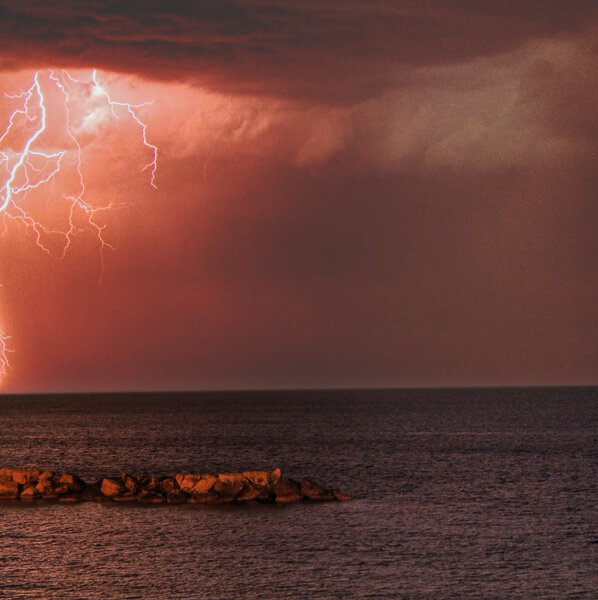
(390, 193)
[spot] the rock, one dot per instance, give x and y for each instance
(275, 475)
(168, 484)
(232, 478)
(45, 475)
(338, 495)
(73, 483)
(176, 497)
(44, 486)
(195, 484)
(9, 489)
(148, 483)
(187, 481)
(258, 478)
(203, 485)
(251, 493)
(129, 482)
(29, 492)
(287, 490)
(61, 490)
(227, 491)
(208, 498)
(111, 487)
(23, 476)
(313, 491)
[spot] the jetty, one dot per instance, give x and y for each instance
(35, 485)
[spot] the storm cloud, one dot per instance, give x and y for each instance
(336, 51)
(391, 193)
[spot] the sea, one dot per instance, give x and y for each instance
(457, 493)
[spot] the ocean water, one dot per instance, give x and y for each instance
(457, 494)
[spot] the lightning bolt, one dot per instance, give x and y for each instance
(30, 164)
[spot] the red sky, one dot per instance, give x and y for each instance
(388, 193)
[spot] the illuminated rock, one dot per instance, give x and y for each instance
(338, 495)
(232, 478)
(259, 478)
(30, 492)
(148, 482)
(205, 488)
(111, 487)
(9, 489)
(44, 486)
(129, 482)
(187, 482)
(72, 483)
(203, 485)
(22, 476)
(168, 485)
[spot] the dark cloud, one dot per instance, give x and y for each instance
(335, 50)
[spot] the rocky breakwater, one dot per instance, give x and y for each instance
(249, 486)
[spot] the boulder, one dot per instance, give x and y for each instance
(111, 487)
(313, 491)
(44, 486)
(129, 482)
(168, 484)
(29, 492)
(275, 475)
(232, 478)
(176, 497)
(258, 478)
(147, 483)
(197, 484)
(73, 483)
(187, 481)
(287, 490)
(9, 489)
(45, 475)
(203, 485)
(338, 495)
(251, 493)
(22, 476)
(227, 491)
(208, 498)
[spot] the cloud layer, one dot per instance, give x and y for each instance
(338, 51)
